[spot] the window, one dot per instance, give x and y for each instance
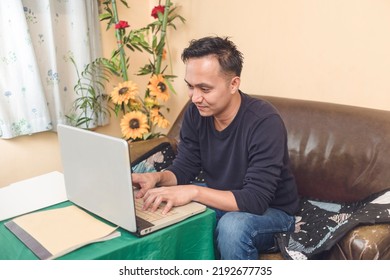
(36, 75)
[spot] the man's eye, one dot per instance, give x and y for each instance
(205, 90)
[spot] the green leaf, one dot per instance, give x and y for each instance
(125, 3)
(170, 76)
(154, 42)
(170, 86)
(130, 47)
(147, 69)
(146, 135)
(104, 16)
(90, 89)
(160, 46)
(160, 16)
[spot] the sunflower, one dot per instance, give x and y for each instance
(149, 102)
(134, 125)
(124, 92)
(158, 87)
(158, 119)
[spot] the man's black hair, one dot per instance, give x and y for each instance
(229, 58)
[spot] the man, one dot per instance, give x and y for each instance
(240, 143)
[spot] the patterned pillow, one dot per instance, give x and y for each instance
(320, 225)
(157, 159)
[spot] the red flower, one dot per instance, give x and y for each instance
(121, 24)
(156, 10)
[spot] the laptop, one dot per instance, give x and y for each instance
(97, 175)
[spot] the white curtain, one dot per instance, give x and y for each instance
(37, 37)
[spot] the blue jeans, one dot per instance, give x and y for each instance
(242, 236)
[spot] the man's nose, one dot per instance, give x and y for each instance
(196, 96)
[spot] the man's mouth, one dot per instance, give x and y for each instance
(200, 107)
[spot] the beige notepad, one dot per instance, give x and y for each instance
(53, 233)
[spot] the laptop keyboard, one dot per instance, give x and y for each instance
(149, 215)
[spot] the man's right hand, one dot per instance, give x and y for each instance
(145, 182)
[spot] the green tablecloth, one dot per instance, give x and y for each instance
(191, 239)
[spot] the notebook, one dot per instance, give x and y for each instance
(52, 233)
(97, 177)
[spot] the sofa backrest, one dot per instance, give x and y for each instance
(338, 152)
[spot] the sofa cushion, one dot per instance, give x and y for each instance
(320, 225)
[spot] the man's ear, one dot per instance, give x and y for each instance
(235, 84)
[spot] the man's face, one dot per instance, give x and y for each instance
(209, 89)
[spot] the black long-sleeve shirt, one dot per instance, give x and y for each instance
(249, 157)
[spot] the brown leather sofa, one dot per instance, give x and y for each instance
(338, 153)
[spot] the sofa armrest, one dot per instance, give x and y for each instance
(364, 243)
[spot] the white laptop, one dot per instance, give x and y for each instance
(97, 178)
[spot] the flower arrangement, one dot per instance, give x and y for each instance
(140, 116)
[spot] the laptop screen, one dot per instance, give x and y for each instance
(97, 174)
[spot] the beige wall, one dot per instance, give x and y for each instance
(327, 50)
